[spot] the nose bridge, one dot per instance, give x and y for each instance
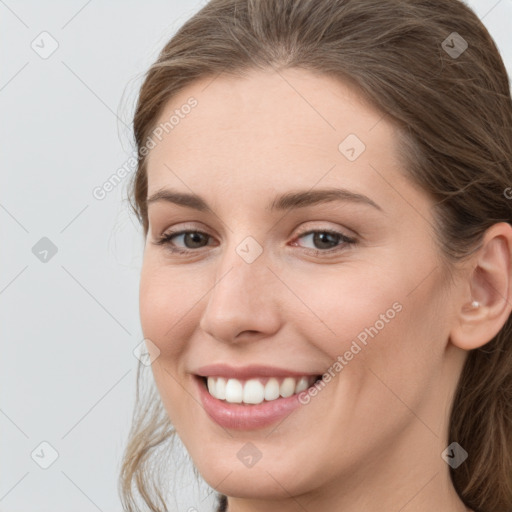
(242, 297)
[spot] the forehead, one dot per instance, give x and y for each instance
(273, 131)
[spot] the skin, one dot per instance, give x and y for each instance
(372, 438)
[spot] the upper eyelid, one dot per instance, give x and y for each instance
(345, 237)
(193, 226)
(349, 233)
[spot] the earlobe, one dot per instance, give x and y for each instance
(484, 311)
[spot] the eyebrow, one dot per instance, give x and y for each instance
(293, 199)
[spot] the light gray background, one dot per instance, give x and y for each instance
(69, 325)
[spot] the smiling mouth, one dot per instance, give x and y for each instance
(256, 390)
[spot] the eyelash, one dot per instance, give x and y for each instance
(165, 240)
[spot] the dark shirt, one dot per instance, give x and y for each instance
(222, 503)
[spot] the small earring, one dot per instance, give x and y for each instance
(475, 304)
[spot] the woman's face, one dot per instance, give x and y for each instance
(315, 256)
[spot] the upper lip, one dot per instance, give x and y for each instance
(246, 372)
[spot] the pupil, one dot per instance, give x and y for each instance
(195, 237)
(319, 239)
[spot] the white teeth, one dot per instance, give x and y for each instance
(302, 385)
(271, 389)
(217, 387)
(220, 388)
(234, 391)
(287, 387)
(210, 381)
(254, 391)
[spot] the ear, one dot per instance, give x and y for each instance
(488, 281)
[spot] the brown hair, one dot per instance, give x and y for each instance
(454, 114)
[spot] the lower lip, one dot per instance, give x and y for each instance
(245, 417)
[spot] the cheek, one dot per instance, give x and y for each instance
(373, 321)
(343, 304)
(386, 337)
(166, 305)
(166, 299)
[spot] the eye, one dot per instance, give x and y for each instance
(326, 240)
(191, 238)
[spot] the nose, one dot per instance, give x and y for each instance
(243, 303)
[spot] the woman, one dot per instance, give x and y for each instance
(326, 286)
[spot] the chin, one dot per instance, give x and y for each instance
(261, 481)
